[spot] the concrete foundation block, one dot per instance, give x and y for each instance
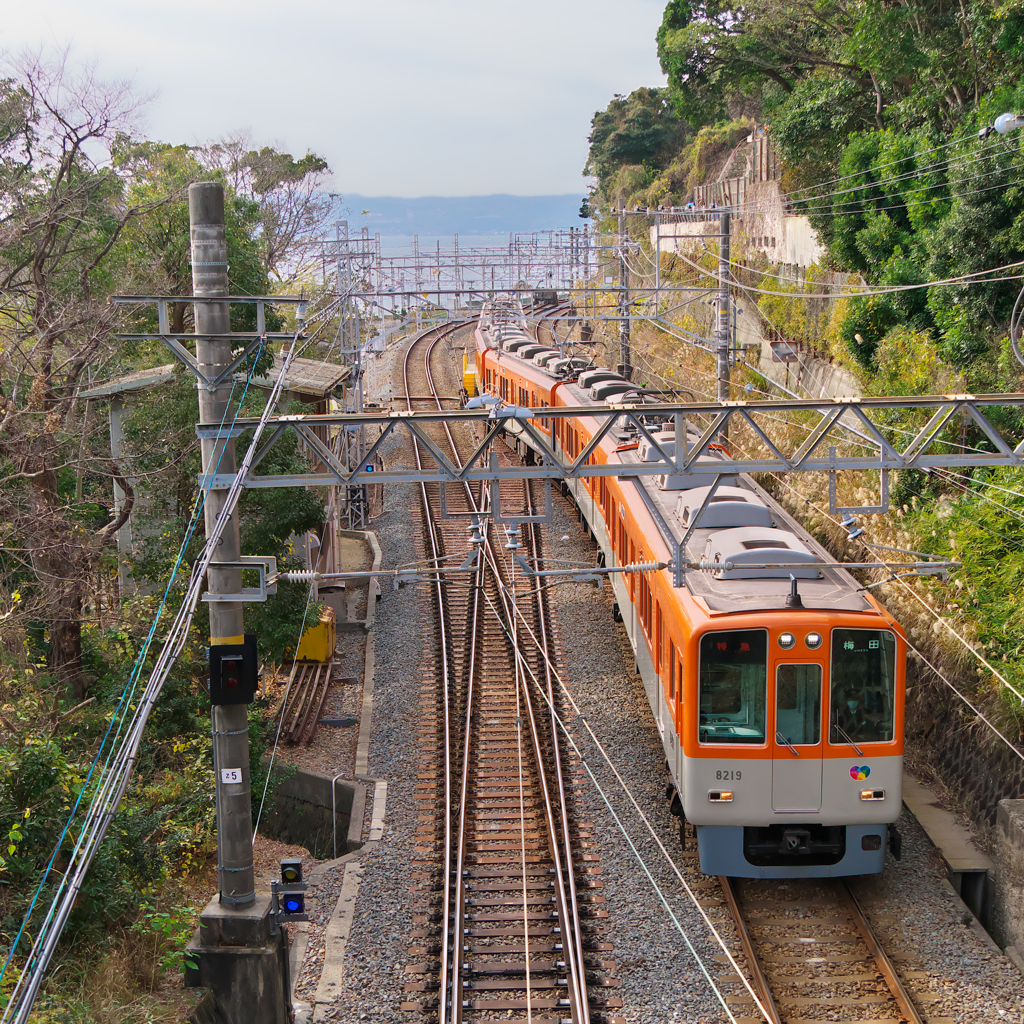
(225, 924)
(242, 966)
(1007, 910)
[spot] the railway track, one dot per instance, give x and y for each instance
(512, 903)
(812, 953)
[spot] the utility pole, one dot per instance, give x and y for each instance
(657, 260)
(723, 329)
(235, 877)
(625, 366)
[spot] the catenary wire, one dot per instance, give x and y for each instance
(129, 689)
(625, 831)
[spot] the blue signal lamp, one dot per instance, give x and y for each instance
(293, 903)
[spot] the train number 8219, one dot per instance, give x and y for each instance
(729, 776)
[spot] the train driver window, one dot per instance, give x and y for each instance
(733, 685)
(798, 704)
(863, 695)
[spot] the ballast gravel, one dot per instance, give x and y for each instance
(667, 956)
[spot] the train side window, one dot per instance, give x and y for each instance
(733, 686)
(798, 703)
(862, 702)
(679, 675)
(672, 696)
(659, 638)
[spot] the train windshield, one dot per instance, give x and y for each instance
(733, 685)
(863, 694)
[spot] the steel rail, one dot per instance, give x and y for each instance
(908, 1013)
(446, 671)
(458, 912)
(573, 897)
(568, 908)
(757, 975)
(453, 916)
(882, 961)
(568, 915)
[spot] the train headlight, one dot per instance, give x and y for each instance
(786, 641)
(872, 794)
(813, 640)
(720, 796)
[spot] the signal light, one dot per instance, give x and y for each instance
(234, 672)
(291, 870)
(293, 903)
(290, 891)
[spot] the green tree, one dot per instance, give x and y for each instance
(640, 129)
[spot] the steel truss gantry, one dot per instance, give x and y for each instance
(786, 447)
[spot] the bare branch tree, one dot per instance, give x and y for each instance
(293, 207)
(62, 211)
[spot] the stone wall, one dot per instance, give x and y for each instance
(1006, 922)
(979, 769)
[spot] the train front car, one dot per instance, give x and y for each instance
(792, 744)
(776, 681)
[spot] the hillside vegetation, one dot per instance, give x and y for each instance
(881, 116)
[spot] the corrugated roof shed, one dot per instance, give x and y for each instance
(312, 379)
(140, 380)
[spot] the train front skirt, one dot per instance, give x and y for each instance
(791, 850)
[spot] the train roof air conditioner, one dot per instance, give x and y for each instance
(750, 551)
(730, 507)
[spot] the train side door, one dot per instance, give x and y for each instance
(797, 745)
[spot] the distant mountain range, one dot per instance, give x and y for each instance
(464, 215)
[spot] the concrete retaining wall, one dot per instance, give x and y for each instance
(1006, 919)
(975, 764)
(302, 813)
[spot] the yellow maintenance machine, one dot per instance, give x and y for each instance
(318, 642)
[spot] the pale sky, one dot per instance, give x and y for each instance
(451, 97)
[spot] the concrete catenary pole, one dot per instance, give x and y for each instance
(625, 359)
(723, 330)
(230, 721)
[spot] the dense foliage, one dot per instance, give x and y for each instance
(89, 208)
(875, 110)
(880, 114)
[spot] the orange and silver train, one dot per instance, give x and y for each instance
(777, 683)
